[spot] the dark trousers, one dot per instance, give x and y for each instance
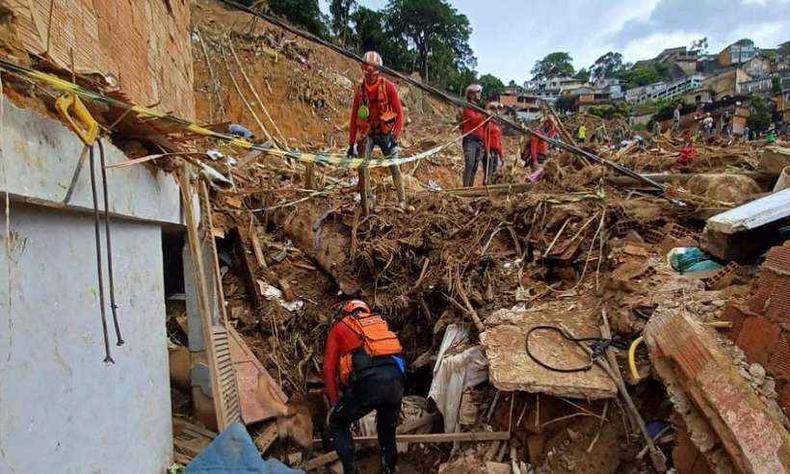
(474, 153)
(376, 393)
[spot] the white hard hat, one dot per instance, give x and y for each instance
(474, 88)
(374, 58)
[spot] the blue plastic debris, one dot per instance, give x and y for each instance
(233, 452)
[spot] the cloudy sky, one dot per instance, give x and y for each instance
(510, 35)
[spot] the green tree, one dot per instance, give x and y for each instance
(607, 65)
(760, 118)
(369, 35)
(700, 45)
(341, 15)
(438, 34)
(303, 13)
(643, 75)
(553, 65)
(582, 74)
(492, 86)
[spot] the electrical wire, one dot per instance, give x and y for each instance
(596, 349)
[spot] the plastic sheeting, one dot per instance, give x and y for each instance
(233, 452)
(458, 367)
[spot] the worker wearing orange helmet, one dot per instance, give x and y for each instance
(364, 357)
(376, 120)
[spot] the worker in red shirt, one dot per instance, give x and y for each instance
(364, 356)
(537, 150)
(495, 152)
(376, 120)
(474, 129)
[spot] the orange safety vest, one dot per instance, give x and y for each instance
(386, 120)
(377, 341)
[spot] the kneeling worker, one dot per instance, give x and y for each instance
(377, 120)
(365, 356)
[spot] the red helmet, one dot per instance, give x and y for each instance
(352, 306)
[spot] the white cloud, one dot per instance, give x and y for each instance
(649, 46)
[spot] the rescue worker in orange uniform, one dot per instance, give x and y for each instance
(364, 357)
(494, 145)
(474, 129)
(537, 150)
(376, 120)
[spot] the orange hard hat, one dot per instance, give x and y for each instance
(352, 306)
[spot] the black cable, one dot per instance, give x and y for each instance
(596, 349)
(118, 339)
(100, 277)
(444, 95)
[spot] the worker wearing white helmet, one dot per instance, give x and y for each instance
(475, 130)
(376, 120)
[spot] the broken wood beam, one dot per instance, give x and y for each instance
(681, 178)
(492, 190)
(440, 437)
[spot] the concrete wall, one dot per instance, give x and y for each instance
(61, 408)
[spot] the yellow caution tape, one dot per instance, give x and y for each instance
(318, 158)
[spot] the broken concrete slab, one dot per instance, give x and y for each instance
(752, 215)
(511, 368)
(727, 421)
(747, 230)
(775, 159)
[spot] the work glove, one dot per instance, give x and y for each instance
(352, 151)
(392, 142)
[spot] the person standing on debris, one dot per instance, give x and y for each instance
(707, 126)
(365, 357)
(676, 116)
(537, 150)
(474, 130)
(377, 120)
(494, 140)
(581, 134)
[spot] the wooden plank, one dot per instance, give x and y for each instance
(266, 439)
(204, 306)
(440, 437)
(327, 458)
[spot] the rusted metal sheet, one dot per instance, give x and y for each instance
(258, 401)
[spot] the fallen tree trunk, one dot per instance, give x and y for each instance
(323, 239)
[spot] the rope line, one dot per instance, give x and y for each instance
(318, 158)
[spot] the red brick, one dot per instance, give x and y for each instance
(734, 314)
(779, 361)
(757, 338)
(778, 305)
(778, 258)
(784, 397)
(686, 458)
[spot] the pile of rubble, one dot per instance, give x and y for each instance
(522, 307)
